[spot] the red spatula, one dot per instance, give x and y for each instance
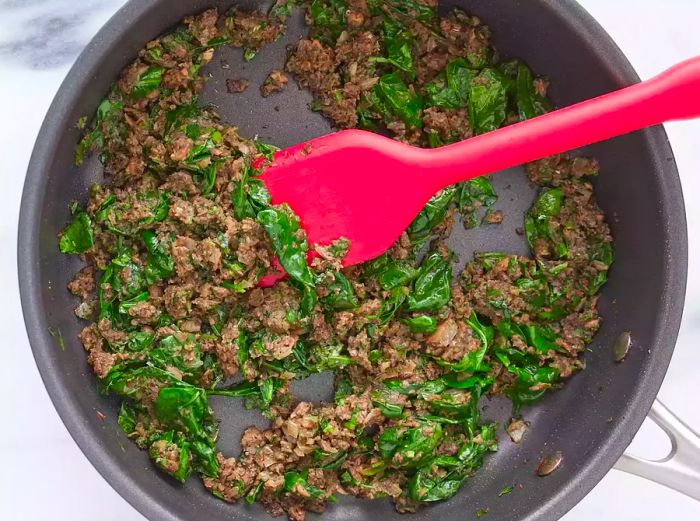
(368, 188)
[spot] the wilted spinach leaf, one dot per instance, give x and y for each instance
(341, 294)
(185, 356)
(530, 103)
(422, 324)
(451, 90)
(488, 101)
(432, 287)
(126, 380)
(384, 400)
(407, 448)
(159, 265)
(291, 247)
(398, 48)
(405, 103)
(391, 305)
(108, 112)
(126, 305)
(127, 418)
(297, 483)
(423, 389)
(175, 117)
(282, 8)
(474, 194)
(391, 273)
(472, 361)
(148, 81)
(328, 17)
(538, 223)
(432, 214)
(77, 237)
(441, 477)
(421, 11)
(532, 380)
(601, 259)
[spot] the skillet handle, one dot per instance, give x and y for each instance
(680, 470)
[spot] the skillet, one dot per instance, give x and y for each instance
(638, 189)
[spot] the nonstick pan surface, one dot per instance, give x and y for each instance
(591, 421)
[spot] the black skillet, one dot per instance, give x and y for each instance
(638, 188)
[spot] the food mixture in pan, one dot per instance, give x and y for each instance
(177, 240)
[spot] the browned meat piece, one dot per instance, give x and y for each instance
(313, 65)
(251, 29)
(180, 182)
(180, 147)
(84, 283)
(203, 27)
(275, 82)
(166, 455)
(452, 340)
(236, 86)
(516, 429)
(493, 217)
(143, 313)
(450, 124)
(177, 300)
(280, 347)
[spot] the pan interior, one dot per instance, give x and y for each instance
(590, 419)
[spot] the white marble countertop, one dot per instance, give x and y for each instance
(44, 475)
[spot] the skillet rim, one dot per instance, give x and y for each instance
(661, 345)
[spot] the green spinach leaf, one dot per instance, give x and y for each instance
(601, 260)
(472, 361)
(420, 10)
(328, 18)
(432, 288)
(432, 215)
(108, 112)
(384, 400)
(185, 409)
(488, 101)
(422, 324)
(159, 265)
(389, 306)
(405, 103)
(148, 81)
(451, 90)
(297, 483)
(391, 273)
(291, 248)
(539, 227)
(398, 48)
(441, 477)
(407, 448)
(472, 195)
(77, 237)
(530, 103)
(341, 294)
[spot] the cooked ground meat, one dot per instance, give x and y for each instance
(275, 82)
(177, 240)
(83, 285)
(516, 429)
(235, 86)
(493, 217)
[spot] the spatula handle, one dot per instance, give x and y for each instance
(673, 95)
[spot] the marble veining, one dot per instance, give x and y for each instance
(44, 34)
